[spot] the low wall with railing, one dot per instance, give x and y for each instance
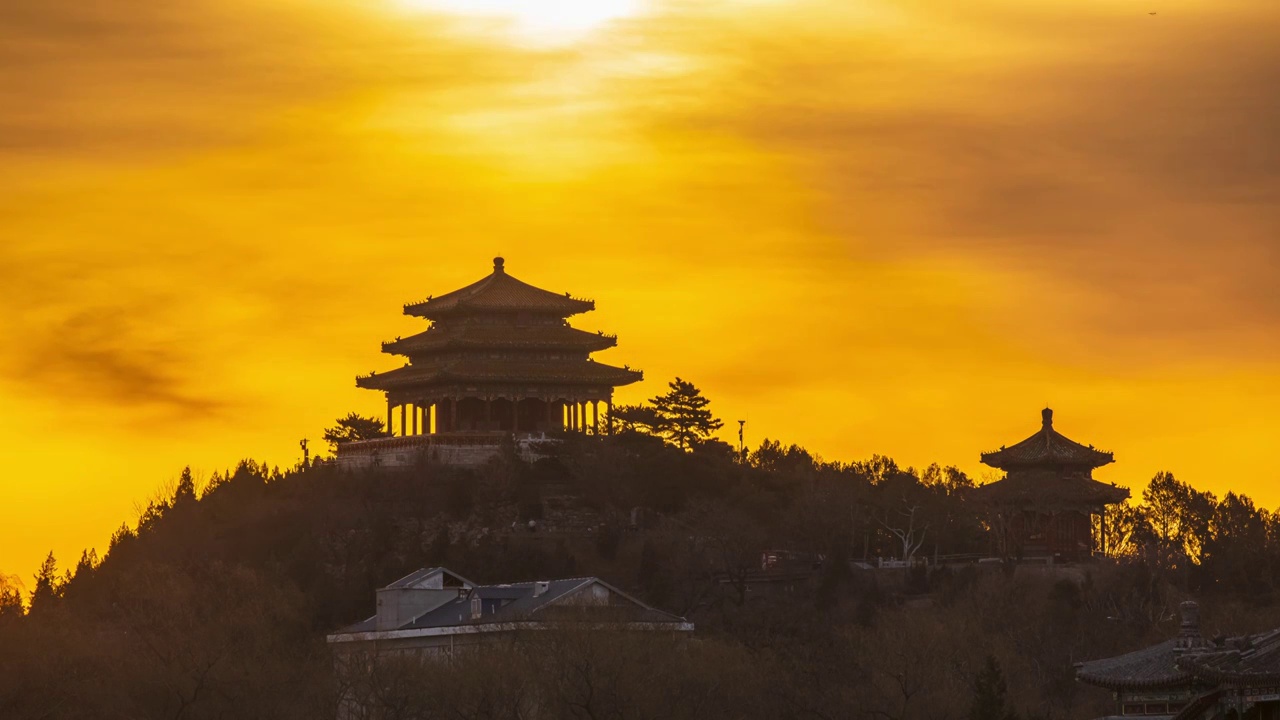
(473, 448)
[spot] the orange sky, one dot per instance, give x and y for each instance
(867, 226)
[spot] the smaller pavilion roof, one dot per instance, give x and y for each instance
(1247, 661)
(1150, 667)
(1047, 448)
(499, 292)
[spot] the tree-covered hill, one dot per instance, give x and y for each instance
(215, 602)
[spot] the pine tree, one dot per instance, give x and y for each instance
(186, 490)
(989, 690)
(683, 415)
(48, 586)
(351, 428)
(88, 563)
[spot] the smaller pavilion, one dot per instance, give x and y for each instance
(1192, 678)
(1045, 504)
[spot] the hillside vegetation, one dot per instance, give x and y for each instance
(216, 601)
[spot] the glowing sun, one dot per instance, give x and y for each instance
(539, 18)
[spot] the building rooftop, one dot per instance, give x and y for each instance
(499, 292)
(1246, 660)
(1047, 448)
(1050, 490)
(462, 370)
(588, 598)
(1150, 667)
(430, 578)
(470, 336)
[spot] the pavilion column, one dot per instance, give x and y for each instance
(453, 414)
(577, 416)
(404, 416)
(547, 411)
(595, 417)
(608, 420)
(391, 417)
(417, 419)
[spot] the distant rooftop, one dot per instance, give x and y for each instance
(449, 601)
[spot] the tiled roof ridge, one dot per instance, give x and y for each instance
(535, 582)
(1246, 657)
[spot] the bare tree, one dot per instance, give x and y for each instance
(906, 527)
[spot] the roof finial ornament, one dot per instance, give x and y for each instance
(499, 265)
(1047, 414)
(1189, 637)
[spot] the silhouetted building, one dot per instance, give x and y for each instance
(434, 611)
(434, 615)
(1044, 506)
(499, 360)
(1191, 678)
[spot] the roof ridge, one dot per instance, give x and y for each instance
(531, 582)
(507, 291)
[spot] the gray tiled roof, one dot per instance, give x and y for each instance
(517, 602)
(1247, 659)
(418, 576)
(1154, 666)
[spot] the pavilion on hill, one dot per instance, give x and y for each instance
(498, 360)
(1044, 506)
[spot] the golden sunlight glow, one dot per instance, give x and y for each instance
(539, 19)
